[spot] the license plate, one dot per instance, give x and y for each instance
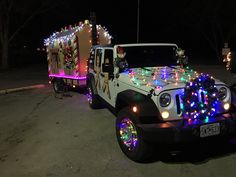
(209, 130)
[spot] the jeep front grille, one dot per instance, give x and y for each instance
(177, 99)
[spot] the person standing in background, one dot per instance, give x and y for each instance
(225, 52)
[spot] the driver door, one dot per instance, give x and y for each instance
(107, 77)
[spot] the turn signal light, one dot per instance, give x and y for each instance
(165, 114)
(135, 109)
(226, 106)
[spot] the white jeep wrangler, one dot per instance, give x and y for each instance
(156, 99)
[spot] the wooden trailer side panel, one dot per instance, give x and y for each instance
(85, 44)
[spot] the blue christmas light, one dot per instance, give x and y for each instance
(200, 98)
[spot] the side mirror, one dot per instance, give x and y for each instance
(108, 68)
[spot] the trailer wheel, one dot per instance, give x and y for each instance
(129, 138)
(93, 100)
(58, 85)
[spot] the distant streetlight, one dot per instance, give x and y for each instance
(138, 22)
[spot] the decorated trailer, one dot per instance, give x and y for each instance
(68, 53)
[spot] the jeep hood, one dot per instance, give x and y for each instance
(159, 78)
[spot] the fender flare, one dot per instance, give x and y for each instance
(148, 112)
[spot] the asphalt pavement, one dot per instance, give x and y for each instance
(42, 135)
(23, 78)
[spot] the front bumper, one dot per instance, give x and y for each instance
(184, 130)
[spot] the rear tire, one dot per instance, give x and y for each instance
(93, 99)
(58, 85)
(129, 137)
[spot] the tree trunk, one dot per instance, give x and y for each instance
(4, 55)
(4, 46)
(4, 39)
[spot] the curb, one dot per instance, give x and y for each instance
(6, 91)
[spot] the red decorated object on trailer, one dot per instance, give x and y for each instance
(68, 53)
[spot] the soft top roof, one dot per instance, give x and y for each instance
(146, 44)
(136, 44)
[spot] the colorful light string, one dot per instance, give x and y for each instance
(160, 76)
(200, 98)
(68, 33)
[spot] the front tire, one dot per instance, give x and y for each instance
(129, 137)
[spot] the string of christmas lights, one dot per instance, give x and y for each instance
(200, 98)
(68, 33)
(160, 76)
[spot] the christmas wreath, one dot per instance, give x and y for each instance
(200, 98)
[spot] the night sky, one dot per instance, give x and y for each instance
(201, 27)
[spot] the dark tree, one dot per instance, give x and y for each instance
(212, 21)
(15, 15)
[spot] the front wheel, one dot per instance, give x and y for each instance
(129, 138)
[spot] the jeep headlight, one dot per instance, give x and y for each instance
(222, 93)
(165, 99)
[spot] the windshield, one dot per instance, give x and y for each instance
(150, 56)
